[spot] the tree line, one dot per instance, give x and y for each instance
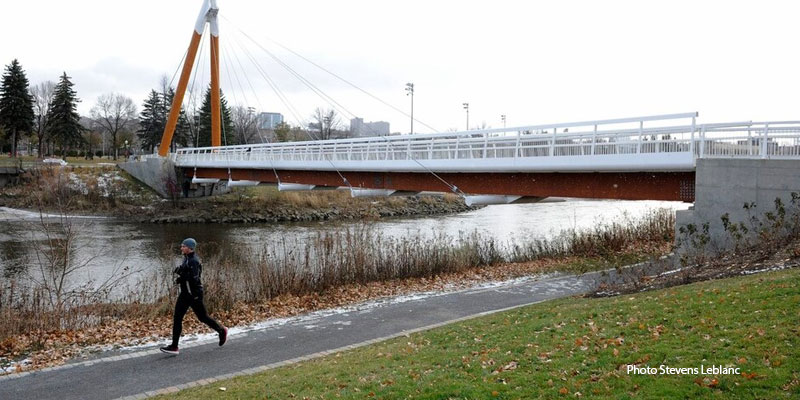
(46, 115)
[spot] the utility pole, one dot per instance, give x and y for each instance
(466, 107)
(503, 118)
(410, 92)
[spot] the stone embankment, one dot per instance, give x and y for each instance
(194, 212)
(109, 192)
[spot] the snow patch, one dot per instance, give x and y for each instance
(13, 214)
(10, 367)
(758, 271)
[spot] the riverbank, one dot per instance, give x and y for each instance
(105, 190)
(349, 267)
(141, 325)
(334, 269)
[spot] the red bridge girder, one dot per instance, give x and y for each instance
(670, 186)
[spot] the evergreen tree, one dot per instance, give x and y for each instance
(181, 135)
(282, 131)
(151, 121)
(64, 123)
(16, 104)
(227, 136)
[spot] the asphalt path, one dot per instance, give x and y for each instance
(145, 372)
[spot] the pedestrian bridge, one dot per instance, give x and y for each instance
(652, 157)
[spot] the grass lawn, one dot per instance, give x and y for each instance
(572, 348)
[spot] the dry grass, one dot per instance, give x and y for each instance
(357, 255)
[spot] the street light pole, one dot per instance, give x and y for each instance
(326, 126)
(466, 107)
(410, 92)
(503, 117)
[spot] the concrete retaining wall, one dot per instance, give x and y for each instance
(157, 173)
(161, 175)
(9, 176)
(726, 185)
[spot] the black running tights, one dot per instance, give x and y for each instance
(181, 306)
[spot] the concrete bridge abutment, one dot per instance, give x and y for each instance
(169, 181)
(741, 188)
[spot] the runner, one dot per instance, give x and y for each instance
(191, 295)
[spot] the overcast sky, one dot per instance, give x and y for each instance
(536, 62)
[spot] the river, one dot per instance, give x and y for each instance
(106, 245)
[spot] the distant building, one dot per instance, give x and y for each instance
(269, 121)
(359, 128)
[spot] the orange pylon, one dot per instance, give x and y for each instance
(208, 14)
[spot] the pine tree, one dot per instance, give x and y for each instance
(64, 123)
(227, 136)
(181, 135)
(16, 104)
(151, 121)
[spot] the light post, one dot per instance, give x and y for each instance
(503, 118)
(326, 126)
(466, 107)
(127, 153)
(410, 92)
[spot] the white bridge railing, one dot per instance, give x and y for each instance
(654, 143)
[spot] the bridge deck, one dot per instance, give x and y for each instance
(604, 159)
(601, 148)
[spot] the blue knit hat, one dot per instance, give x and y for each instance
(190, 243)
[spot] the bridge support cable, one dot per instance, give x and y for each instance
(338, 77)
(192, 99)
(178, 68)
(192, 103)
(255, 94)
(272, 84)
(336, 105)
(331, 101)
(258, 100)
(286, 102)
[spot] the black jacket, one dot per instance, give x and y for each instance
(189, 276)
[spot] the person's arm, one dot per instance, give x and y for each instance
(193, 277)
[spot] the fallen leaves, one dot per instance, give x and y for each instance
(749, 375)
(508, 367)
(707, 382)
(149, 323)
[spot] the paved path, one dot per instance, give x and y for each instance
(141, 374)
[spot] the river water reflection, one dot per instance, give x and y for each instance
(113, 244)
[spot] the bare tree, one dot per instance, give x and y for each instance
(193, 129)
(92, 138)
(42, 96)
(325, 122)
(114, 113)
(62, 258)
(245, 124)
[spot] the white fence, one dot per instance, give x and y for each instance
(654, 143)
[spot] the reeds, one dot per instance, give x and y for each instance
(355, 255)
(360, 255)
